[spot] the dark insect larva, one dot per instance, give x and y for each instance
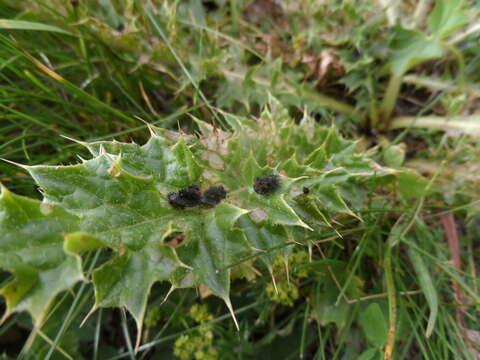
(306, 190)
(213, 195)
(266, 185)
(187, 197)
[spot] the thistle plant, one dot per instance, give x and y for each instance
(254, 191)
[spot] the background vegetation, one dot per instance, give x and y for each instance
(402, 80)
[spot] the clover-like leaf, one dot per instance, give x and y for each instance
(446, 17)
(411, 48)
(31, 248)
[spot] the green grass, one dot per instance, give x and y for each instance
(121, 62)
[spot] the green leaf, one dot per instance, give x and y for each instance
(411, 48)
(214, 244)
(29, 25)
(276, 208)
(186, 167)
(115, 206)
(125, 211)
(264, 237)
(331, 199)
(412, 184)
(31, 248)
(370, 354)
(326, 309)
(394, 156)
(79, 242)
(446, 17)
(374, 325)
(426, 282)
(427, 287)
(174, 167)
(127, 279)
(120, 199)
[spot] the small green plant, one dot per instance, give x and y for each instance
(287, 272)
(199, 344)
(412, 47)
(283, 292)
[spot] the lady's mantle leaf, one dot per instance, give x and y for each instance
(31, 248)
(411, 48)
(446, 17)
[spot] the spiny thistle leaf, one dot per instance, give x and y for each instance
(31, 248)
(127, 198)
(127, 279)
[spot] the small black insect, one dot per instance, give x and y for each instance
(213, 195)
(187, 197)
(306, 190)
(266, 185)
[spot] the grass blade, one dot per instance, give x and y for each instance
(97, 335)
(160, 32)
(304, 330)
(465, 124)
(427, 286)
(29, 25)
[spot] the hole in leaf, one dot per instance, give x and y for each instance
(174, 239)
(258, 215)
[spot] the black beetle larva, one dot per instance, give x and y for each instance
(187, 197)
(213, 195)
(266, 185)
